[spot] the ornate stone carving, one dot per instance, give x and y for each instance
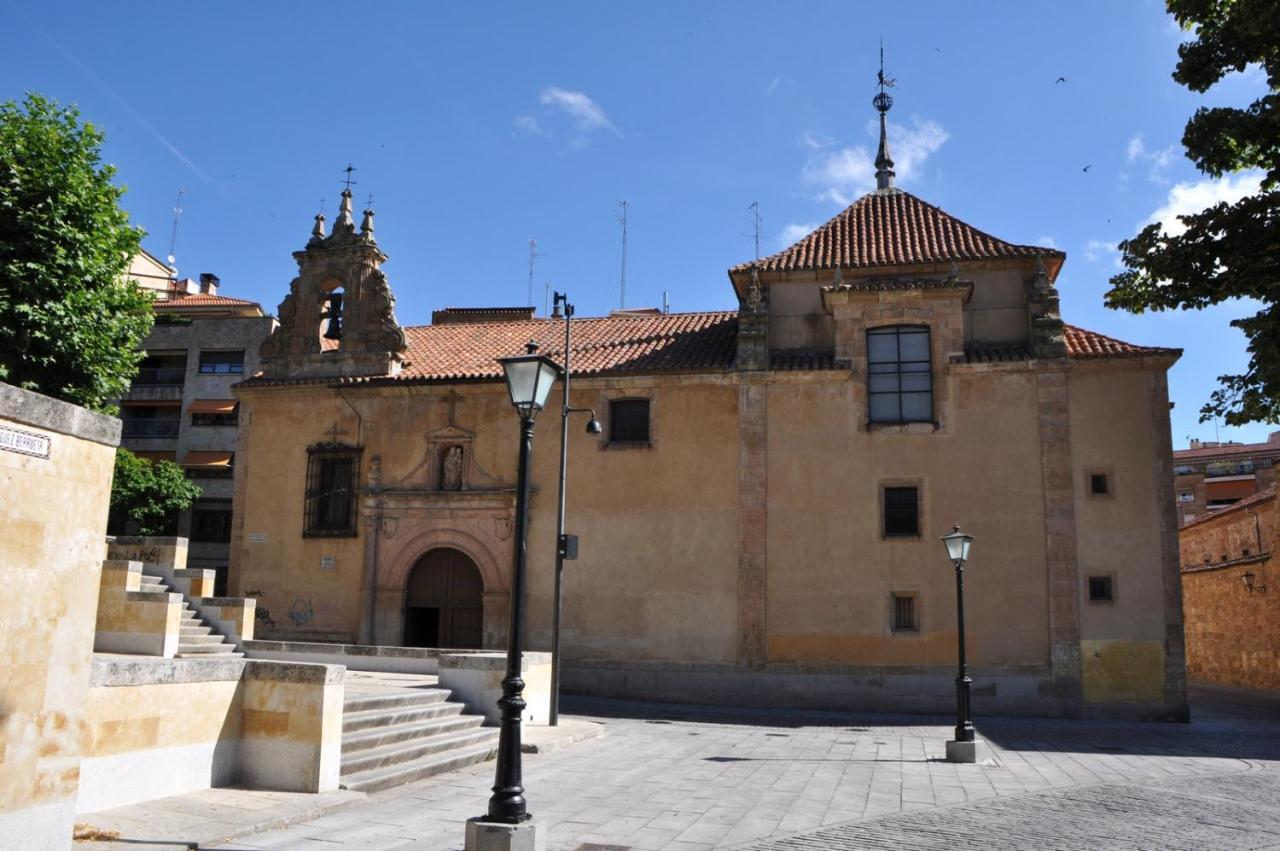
(372, 343)
(451, 469)
(1048, 334)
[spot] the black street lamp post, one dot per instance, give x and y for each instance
(562, 540)
(963, 748)
(529, 379)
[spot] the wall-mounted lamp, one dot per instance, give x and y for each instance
(1249, 580)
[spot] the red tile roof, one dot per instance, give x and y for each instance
(621, 344)
(893, 228)
(1090, 344)
(202, 300)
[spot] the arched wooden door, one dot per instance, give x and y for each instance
(443, 605)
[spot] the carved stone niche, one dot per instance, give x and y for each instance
(450, 466)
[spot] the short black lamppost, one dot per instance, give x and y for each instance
(529, 380)
(964, 748)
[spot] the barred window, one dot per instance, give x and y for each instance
(899, 381)
(904, 613)
(629, 421)
(901, 512)
(331, 490)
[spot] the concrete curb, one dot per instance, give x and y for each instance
(569, 732)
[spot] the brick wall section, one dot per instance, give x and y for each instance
(753, 519)
(1232, 634)
(1060, 530)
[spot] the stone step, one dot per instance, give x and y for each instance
(186, 630)
(355, 721)
(185, 649)
(376, 779)
(200, 640)
(357, 702)
(375, 737)
(401, 752)
(228, 653)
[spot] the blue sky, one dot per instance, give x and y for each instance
(478, 127)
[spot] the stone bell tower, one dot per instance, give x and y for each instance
(339, 316)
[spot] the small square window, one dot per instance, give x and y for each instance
(901, 512)
(905, 617)
(1100, 590)
(1099, 483)
(629, 421)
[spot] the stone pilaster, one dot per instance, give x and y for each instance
(1175, 654)
(753, 519)
(1060, 533)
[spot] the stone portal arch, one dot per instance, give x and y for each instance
(444, 602)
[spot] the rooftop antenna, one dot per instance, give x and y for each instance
(883, 102)
(754, 207)
(177, 214)
(546, 297)
(533, 255)
(622, 295)
(666, 304)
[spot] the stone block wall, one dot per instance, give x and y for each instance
(56, 463)
(158, 727)
(134, 621)
(1233, 633)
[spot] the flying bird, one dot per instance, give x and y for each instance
(1086, 168)
(1060, 80)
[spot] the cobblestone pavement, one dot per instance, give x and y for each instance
(684, 778)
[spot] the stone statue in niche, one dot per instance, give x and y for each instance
(451, 469)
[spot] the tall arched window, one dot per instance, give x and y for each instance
(899, 377)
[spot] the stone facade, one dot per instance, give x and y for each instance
(740, 552)
(55, 482)
(1233, 630)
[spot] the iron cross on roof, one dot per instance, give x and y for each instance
(348, 181)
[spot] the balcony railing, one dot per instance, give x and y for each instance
(160, 375)
(150, 428)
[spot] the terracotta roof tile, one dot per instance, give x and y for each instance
(674, 342)
(1090, 344)
(201, 300)
(890, 228)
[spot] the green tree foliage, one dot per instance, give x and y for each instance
(70, 319)
(1227, 251)
(147, 496)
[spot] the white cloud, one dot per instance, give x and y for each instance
(793, 233)
(1157, 162)
(1046, 241)
(585, 113)
(1101, 251)
(527, 125)
(773, 85)
(816, 141)
(1189, 198)
(848, 172)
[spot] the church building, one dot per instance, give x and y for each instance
(759, 520)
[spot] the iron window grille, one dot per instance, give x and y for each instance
(330, 510)
(1099, 484)
(629, 421)
(901, 512)
(904, 613)
(899, 375)
(222, 363)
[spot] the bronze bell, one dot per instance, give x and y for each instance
(334, 314)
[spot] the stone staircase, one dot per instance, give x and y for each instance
(196, 638)
(403, 735)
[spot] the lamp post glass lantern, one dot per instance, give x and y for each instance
(957, 544)
(529, 380)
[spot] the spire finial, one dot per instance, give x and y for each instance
(883, 103)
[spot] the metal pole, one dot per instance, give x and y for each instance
(554, 718)
(507, 803)
(964, 724)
